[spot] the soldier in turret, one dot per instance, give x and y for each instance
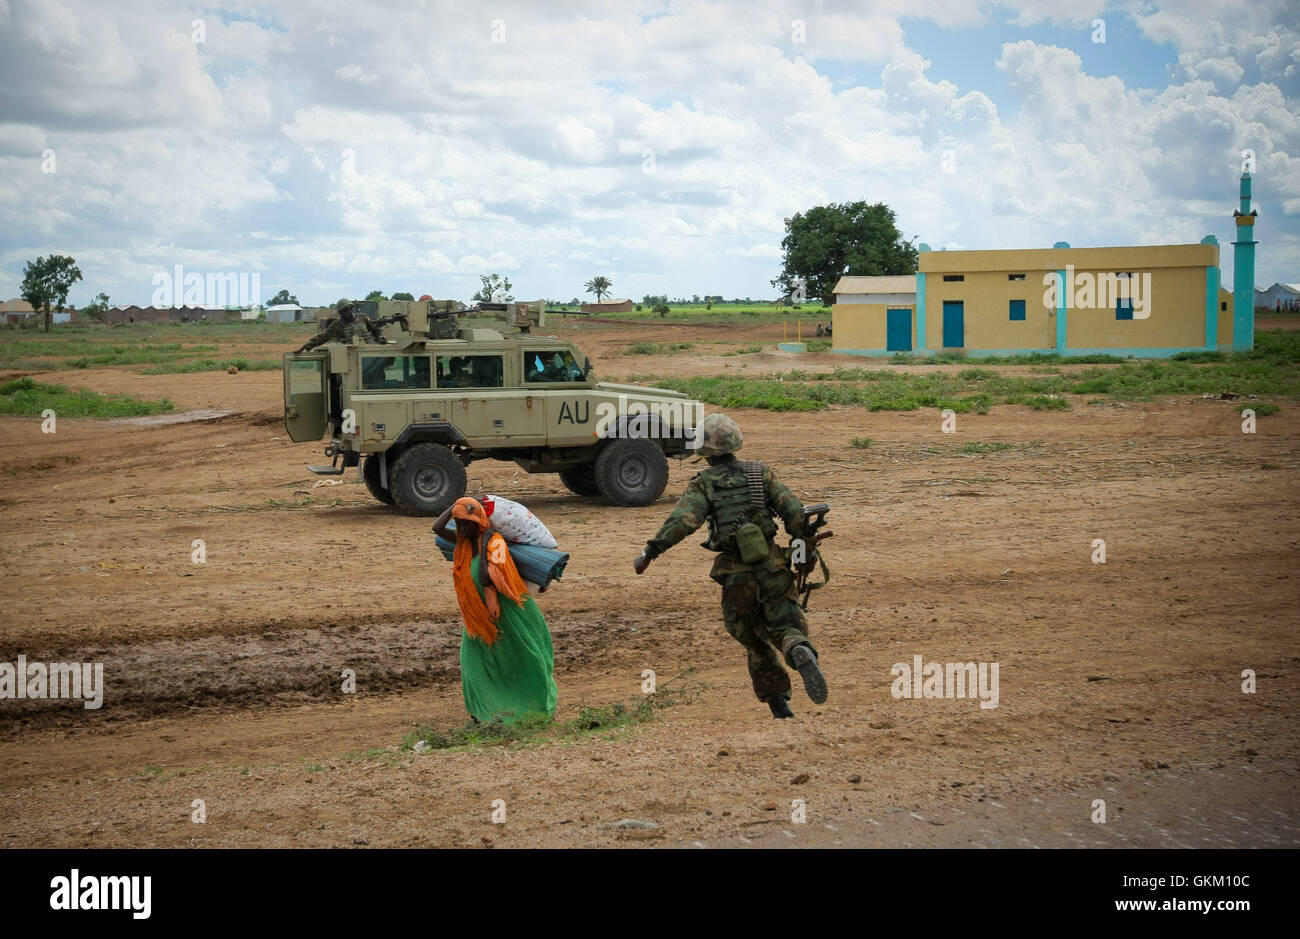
(760, 606)
(342, 329)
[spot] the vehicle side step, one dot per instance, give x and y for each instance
(326, 470)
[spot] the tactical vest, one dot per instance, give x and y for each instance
(736, 499)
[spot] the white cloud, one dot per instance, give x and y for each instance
(755, 251)
(409, 151)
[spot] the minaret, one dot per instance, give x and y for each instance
(1243, 271)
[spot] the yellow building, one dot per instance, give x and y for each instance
(1146, 301)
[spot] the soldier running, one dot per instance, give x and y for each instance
(760, 606)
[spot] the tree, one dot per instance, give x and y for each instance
(403, 296)
(46, 282)
(661, 309)
(495, 289)
(97, 309)
(829, 241)
(376, 295)
(599, 286)
(282, 297)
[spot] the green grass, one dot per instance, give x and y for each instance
(751, 313)
(24, 397)
(1271, 369)
(534, 729)
(745, 350)
(975, 446)
(76, 353)
(861, 443)
(657, 348)
(151, 344)
(212, 365)
(1261, 408)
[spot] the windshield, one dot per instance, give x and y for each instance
(551, 365)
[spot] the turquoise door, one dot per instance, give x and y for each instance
(898, 330)
(954, 324)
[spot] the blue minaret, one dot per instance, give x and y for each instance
(1243, 271)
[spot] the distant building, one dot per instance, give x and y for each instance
(284, 313)
(1279, 297)
(1146, 301)
(1142, 300)
(15, 311)
(181, 314)
(609, 306)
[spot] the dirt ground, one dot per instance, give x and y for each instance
(1119, 681)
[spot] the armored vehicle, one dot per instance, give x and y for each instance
(413, 411)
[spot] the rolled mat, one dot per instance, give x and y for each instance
(540, 565)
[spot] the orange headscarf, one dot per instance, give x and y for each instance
(501, 570)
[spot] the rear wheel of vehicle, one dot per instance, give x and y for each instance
(631, 471)
(581, 480)
(427, 478)
(370, 473)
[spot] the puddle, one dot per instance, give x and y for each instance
(182, 417)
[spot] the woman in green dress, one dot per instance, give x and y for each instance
(507, 664)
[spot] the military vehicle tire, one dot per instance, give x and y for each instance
(581, 480)
(631, 471)
(370, 473)
(427, 478)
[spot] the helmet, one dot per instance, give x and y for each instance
(718, 434)
(347, 312)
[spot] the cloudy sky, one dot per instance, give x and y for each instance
(339, 147)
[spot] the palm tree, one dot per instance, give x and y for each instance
(599, 286)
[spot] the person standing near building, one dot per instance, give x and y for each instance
(760, 608)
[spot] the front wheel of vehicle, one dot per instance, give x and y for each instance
(427, 478)
(631, 471)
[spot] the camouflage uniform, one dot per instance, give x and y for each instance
(339, 331)
(760, 607)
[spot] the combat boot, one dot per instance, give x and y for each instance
(780, 708)
(804, 660)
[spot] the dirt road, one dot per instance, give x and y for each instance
(1119, 681)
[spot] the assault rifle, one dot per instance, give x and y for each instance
(376, 325)
(804, 554)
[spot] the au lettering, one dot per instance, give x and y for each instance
(579, 413)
